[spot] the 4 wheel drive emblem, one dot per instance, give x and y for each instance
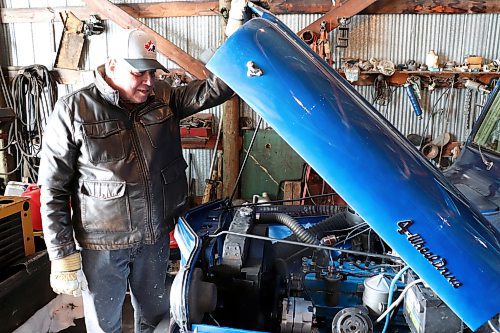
(435, 260)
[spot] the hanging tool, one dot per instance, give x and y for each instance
(93, 26)
(323, 43)
(472, 87)
(190, 179)
(218, 182)
(214, 181)
(412, 87)
(343, 33)
(382, 94)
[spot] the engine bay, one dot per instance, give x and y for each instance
(284, 268)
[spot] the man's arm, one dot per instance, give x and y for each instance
(199, 95)
(55, 177)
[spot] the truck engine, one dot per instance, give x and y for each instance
(272, 269)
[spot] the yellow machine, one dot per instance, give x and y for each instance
(16, 230)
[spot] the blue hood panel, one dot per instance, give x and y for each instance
(369, 163)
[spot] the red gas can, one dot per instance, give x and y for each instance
(173, 243)
(33, 192)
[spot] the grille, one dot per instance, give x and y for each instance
(11, 240)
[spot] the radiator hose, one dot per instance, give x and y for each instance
(300, 232)
(332, 223)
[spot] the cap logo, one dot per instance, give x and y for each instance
(149, 46)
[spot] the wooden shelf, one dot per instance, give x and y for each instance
(399, 77)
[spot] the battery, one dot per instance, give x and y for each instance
(425, 312)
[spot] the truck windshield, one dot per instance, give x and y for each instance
(488, 134)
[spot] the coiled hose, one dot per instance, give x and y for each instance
(300, 232)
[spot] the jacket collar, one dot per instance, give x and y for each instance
(109, 94)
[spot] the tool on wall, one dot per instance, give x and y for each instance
(73, 37)
(382, 93)
(213, 189)
(324, 49)
(213, 171)
(343, 33)
(412, 88)
(93, 26)
(310, 38)
(319, 44)
(71, 44)
(468, 112)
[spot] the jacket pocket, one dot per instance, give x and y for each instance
(105, 206)
(104, 141)
(155, 125)
(174, 188)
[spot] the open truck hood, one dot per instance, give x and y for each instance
(368, 162)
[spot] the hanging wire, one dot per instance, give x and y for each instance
(246, 158)
(33, 96)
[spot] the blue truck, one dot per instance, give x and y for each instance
(415, 250)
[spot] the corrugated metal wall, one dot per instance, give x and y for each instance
(400, 38)
(395, 37)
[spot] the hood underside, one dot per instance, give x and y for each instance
(368, 162)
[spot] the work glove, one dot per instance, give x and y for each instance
(67, 277)
(237, 15)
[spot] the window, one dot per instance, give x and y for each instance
(488, 135)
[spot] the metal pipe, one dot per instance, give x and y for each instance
(322, 247)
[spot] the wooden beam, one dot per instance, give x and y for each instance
(346, 9)
(172, 9)
(138, 10)
(125, 20)
(433, 7)
(157, 9)
(207, 7)
(299, 6)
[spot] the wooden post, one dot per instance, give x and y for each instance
(230, 135)
(231, 145)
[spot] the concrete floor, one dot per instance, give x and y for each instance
(61, 311)
(127, 320)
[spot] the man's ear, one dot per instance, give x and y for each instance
(110, 67)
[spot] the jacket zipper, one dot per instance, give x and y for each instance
(142, 163)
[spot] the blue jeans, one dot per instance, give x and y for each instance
(143, 268)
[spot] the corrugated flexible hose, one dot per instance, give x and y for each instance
(300, 232)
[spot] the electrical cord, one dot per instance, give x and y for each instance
(391, 292)
(398, 300)
(488, 164)
(433, 113)
(494, 330)
(250, 145)
(34, 94)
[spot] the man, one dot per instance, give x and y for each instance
(112, 175)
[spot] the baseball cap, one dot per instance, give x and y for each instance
(139, 50)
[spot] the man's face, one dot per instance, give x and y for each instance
(134, 87)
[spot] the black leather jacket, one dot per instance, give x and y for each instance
(122, 172)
